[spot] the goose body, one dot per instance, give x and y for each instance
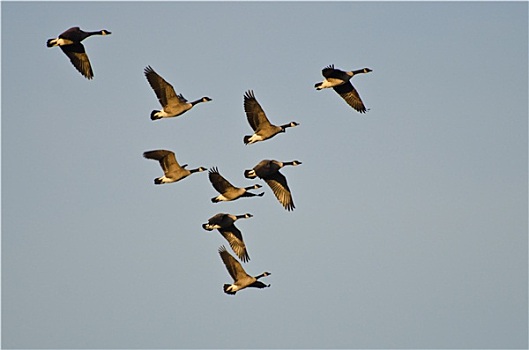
(339, 80)
(263, 129)
(173, 172)
(173, 105)
(225, 224)
(70, 43)
(227, 191)
(268, 170)
(240, 278)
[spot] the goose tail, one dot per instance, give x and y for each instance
(51, 42)
(227, 290)
(155, 115)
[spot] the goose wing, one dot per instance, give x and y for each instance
(328, 71)
(167, 161)
(254, 112)
(234, 237)
(163, 90)
(233, 266)
(278, 184)
(266, 167)
(218, 181)
(77, 55)
(351, 96)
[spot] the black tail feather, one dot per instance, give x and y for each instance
(225, 287)
(153, 116)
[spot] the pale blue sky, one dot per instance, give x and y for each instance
(410, 228)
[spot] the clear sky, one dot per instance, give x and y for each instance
(410, 227)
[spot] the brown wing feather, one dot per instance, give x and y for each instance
(351, 96)
(278, 184)
(254, 112)
(77, 55)
(218, 181)
(163, 90)
(234, 237)
(233, 266)
(166, 158)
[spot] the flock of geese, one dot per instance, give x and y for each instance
(174, 105)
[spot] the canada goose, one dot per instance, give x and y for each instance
(259, 122)
(225, 224)
(70, 43)
(339, 80)
(173, 105)
(241, 279)
(227, 191)
(268, 170)
(173, 172)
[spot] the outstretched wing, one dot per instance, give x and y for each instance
(278, 184)
(77, 55)
(163, 90)
(254, 112)
(218, 181)
(167, 160)
(234, 237)
(233, 266)
(351, 96)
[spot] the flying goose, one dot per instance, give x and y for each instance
(241, 279)
(260, 124)
(225, 224)
(227, 191)
(268, 170)
(173, 105)
(173, 172)
(339, 80)
(70, 44)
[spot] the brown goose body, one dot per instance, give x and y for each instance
(225, 224)
(173, 104)
(268, 170)
(173, 171)
(263, 129)
(339, 80)
(70, 43)
(227, 191)
(241, 279)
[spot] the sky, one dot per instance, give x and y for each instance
(410, 227)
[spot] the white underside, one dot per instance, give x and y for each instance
(232, 288)
(212, 227)
(222, 198)
(61, 42)
(330, 83)
(255, 138)
(163, 114)
(166, 180)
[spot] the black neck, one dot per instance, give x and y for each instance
(196, 170)
(364, 70)
(197, 101)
